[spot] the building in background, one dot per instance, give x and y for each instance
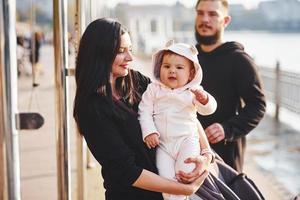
(151, 26)
(281, 15)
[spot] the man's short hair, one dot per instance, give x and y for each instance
(224, 3)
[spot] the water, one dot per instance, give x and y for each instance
(266, 47)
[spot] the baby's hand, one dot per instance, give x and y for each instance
(200, 95)
(152, 140)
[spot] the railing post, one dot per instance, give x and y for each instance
(81, 146)
(277, 90)
(62, 95)
(3, 184)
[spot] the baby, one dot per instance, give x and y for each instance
(168, 110)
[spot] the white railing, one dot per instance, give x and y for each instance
(282, 88)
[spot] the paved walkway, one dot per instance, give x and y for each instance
(259, 161)
(38, 148)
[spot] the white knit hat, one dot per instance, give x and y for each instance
(188, 51)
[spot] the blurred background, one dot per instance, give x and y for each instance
(268, 29)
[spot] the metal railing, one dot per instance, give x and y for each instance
(282, 88)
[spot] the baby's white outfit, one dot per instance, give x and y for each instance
(172, 113)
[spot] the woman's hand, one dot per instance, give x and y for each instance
(202, 164)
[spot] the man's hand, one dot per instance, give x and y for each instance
(200, 95)
(215, 133)
(152, 140)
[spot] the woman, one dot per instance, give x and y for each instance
(105, 110)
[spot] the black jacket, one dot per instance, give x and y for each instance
(116, 142)
(230, 75)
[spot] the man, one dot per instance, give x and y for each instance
(230, 75)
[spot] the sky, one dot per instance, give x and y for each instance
(189, 3)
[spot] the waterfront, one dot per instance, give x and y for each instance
(277, 149)
(31, 149)
(267, 47)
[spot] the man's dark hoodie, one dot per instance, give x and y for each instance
(230, 75)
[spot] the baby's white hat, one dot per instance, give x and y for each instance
(188, 51)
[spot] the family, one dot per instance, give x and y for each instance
(156, 139)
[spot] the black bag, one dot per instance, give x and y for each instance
(229, 185)
(214, 189)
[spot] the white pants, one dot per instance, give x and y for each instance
(170, 159)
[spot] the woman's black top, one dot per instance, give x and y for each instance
(116, 142)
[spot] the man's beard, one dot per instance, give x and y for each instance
(207, 40)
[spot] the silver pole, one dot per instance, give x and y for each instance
(87, 11)
(62, 93)
(3, 182)
(81, 147)
(9, 98)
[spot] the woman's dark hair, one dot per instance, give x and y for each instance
(98, 48)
